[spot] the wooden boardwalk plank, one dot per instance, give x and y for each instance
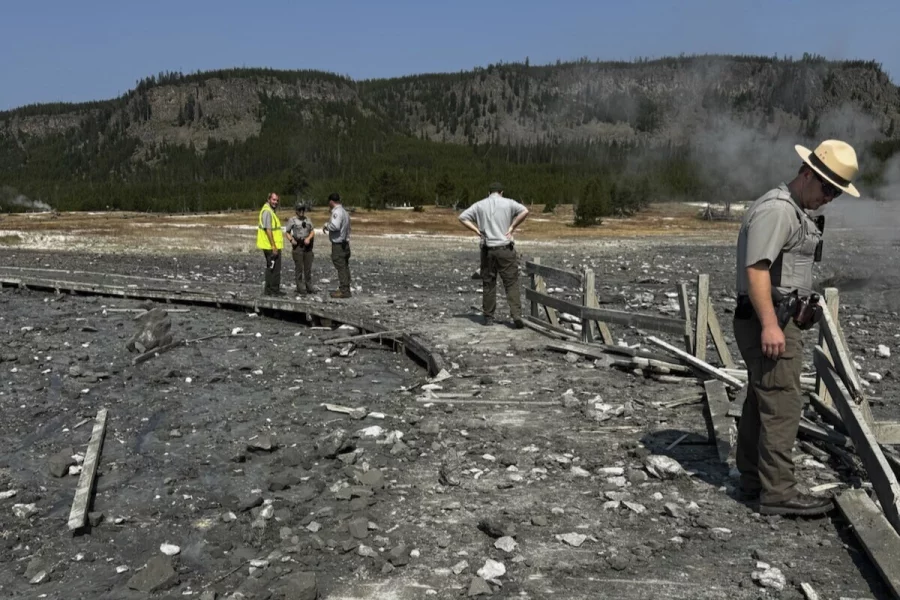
(880, 541)
(879, 470)
(82, 502)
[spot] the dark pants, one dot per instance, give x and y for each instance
(340, 257)
(273, 271)
(500, 261)
(303, 260)
(771, 414)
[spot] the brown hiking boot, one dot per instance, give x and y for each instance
(801, 505)
(340, 294)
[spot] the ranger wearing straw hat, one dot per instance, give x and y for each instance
(776, 248)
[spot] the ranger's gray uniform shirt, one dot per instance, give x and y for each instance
(299, 229)
(339, 226)
(772, 224)
(493, 215)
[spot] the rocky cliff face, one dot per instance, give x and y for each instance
(669, 100)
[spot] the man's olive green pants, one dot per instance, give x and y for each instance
(303, 261)
(500, 261)
(340, 258)
(771, 413)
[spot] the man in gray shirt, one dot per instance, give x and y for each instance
(495, 219)
(338, 230)
(300, 234)
(776, 248)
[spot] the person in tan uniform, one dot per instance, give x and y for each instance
(777, 246)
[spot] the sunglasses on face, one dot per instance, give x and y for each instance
(828, 188)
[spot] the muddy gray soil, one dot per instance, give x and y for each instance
(372, 517)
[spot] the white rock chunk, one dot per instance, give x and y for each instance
(572, 539)
(492, 570)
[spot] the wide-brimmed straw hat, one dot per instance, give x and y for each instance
(835, 161)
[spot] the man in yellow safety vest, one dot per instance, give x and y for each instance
(270, 239)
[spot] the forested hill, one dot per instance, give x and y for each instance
(222, 139)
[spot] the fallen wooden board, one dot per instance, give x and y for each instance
(880, 541)
(696, 362)
(702, 316)
(737, 407)
(548, 329)
(82, 501)
(823, 434)
(879, 470)
(719, 424)
(156, 351)
(365, 336)
(582, 349)
(570, 278)
(521, 402)
(619, 317)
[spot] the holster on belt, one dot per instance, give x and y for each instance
(804, 311)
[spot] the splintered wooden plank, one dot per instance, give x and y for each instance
(839, 354)
(696, 362)
(715, 330)
(719, 424)
(833, 301)
(702, 316)
(569, 278)
(82, 502)
(880, 541)
(582, 349)
(883, 479)
(684, 309)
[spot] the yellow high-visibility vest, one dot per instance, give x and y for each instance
(262, 240)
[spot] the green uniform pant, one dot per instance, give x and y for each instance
(303, 261)
(771, 413)
(273, 271)
(500, 261)
(340, 257)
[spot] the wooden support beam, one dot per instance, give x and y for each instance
(569, 278)
(872, 529)
(82, 502)
(719, 424)
(684, 309)
(593, 302)
(702, 316)
(587, 288)
(883, 479)
(619, 317)
(541, 288)
(696, 362)
(833, 301)
(840, 356)
(715, 330)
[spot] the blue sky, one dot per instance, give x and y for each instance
(96, 49)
